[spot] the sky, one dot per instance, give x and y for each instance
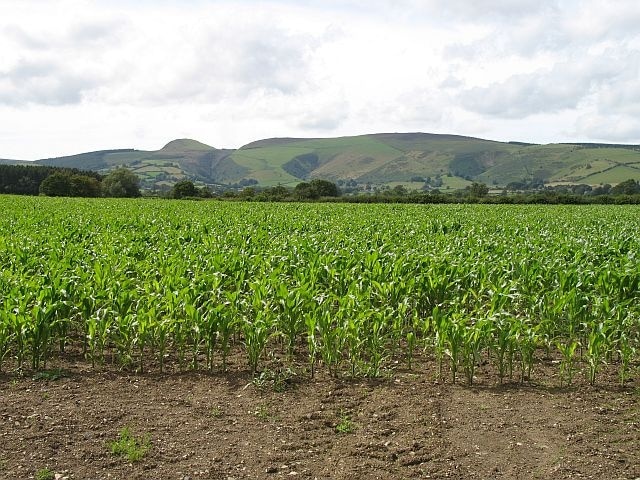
(80, 75)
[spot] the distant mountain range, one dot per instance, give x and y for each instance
(412, 159)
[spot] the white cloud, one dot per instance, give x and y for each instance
(610, 128)
(43, 82)
(565, 86)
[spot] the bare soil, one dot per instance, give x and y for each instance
(407, 425)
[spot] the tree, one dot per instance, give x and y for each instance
(248, 192)
(397, 191)
(121, 182)
(305, 191)
(56, 185)
(84, 186)
(276, 193)
(325, 188)
(478, 189)
(184, 188)
(628, 187)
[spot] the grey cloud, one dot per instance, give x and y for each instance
(621, 95)
(552, 28)
(225, 65)
(418, 107)
(42, 83)
(564, 87)
(609, 128)
(621, 98)
(78, 36)
(324, 118)
(451, 82)
(451, 9)
(273, 62)
(493, 8)
(523, 38)
(24, 38)
(106, 32)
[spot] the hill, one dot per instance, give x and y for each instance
(412, 159)
(178, 160)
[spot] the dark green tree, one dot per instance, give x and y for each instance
(184, 188)
(121, 182)
(276, 193)
(248, 192)
(305, 191)
(478, 189)
(84, 186)
(628, 187)
(398, 191)
(325, 188)
(56, 185)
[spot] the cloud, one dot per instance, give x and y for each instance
(608, 128)
(211, 63)
(621, 94)
(325, 115)
(57, 66)
(134, 61)
(493, 9)
(25, 39)
(418, 107)
(270, 59)
(82, 35)
(43, 82)
(242, 69)
(562, 87)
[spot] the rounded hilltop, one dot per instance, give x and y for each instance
(182, 144)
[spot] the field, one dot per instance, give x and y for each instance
(333, 341)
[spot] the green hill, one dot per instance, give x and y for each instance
(178, 160)
(443, 161)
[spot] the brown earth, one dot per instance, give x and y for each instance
(224, 426)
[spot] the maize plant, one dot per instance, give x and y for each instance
(352, 289)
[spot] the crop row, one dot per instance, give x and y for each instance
(349, 288)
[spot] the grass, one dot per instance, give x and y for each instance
(216, 412)
(614, 175)
(262, 412)
(49, 375)
(129, 446)
(186, 144)
(44, 474)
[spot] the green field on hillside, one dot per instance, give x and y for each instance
(377, 159)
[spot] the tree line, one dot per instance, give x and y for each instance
(314, 190)
(67, 182)
(121, 182)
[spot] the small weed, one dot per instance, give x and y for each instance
(126, 444)
(216, 412)
(49, 375)
(278, 380)
(44, 474)
(345, 425)
(262, 412)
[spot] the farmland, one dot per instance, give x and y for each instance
(386, 159)
(279, 295)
